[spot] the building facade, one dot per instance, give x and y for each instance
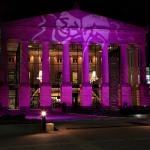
(73, 57)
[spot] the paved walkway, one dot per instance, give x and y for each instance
(82, 121)
(83, 132)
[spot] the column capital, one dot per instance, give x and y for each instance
(45, 43)
(122, 45)
(104, 44)
(66, 44)
(85, 43)
(22, 42)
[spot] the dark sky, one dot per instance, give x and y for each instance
(136, 12)
(131, 11)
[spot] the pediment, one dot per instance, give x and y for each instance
(75, 19)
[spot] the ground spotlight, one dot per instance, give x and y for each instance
(140, 116)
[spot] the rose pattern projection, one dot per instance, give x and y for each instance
(74, 26)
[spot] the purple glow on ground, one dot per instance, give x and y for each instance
(62, 117)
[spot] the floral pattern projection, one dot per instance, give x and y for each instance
(75, 26)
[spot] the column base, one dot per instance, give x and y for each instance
(105, 95)
(24, 110)
(144, 98)
(126, 98)
(24, 96)
(86, 110)
(66, 94)
(86, 95)
(45, 96)
(4, 99)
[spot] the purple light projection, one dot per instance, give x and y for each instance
(125, 86)
(43, 29)
(105, 76)
(45, 89)
(78, 27)
(24, 88)
(66, 87)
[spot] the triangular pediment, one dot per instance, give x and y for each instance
(75, 19)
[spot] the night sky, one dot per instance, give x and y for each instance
(131, 11)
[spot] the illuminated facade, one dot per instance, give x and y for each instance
(72, 57)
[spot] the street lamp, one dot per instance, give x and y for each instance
(43, 115)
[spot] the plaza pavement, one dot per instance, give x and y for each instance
(76, 131)
(71, 121)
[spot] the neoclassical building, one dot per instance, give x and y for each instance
(73, 57)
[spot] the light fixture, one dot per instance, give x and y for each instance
(94, 76)
(31, 58)
(40, 76)
(43, 113)
(29, 46)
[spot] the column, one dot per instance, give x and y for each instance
(105, 76)
(126, 99)
(135, 80)
(4, 88)
(24, 88)
(143, 85)
(66, 87)
(86, 89)
(45, 89)
(142, 64)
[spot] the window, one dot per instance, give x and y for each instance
(90, 60)
(74, 77)
(12, 99)
(59, 60)
(11, 59)
(11, 76)
(58, 76)
(75, 60)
